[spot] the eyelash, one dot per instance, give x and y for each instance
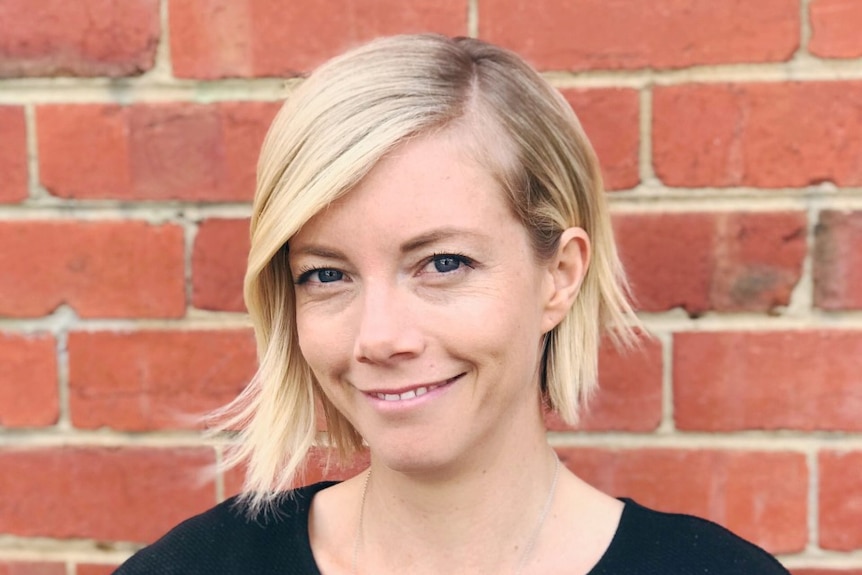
(464, 260)
(306, 273)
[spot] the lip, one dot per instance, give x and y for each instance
(415, 394)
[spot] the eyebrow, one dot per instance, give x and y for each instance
(312, 250)
(419, 242)
(437, 235)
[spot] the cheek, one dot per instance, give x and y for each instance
(320, 343)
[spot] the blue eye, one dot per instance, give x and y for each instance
(326, 276)
(447, 263)
(322, 275)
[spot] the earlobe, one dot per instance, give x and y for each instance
(566, 272)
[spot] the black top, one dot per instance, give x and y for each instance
(221, 541)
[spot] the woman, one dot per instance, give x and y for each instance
(432, 266)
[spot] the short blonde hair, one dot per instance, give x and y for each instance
(330, 133)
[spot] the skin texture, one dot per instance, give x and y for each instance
(419, 277)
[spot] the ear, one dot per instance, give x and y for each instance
(565, 273)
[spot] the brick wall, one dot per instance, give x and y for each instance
(730, 133)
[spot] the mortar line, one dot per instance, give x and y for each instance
(645, 198)
(34, 190)
(190, 232)
(200, 321)
(675, 320)
(804, 28)
(645, 159)
(64, 421)
(797, 441)
(155, 87)
(802, 296)
(164, 64)
(813, 502)
(473, 18)
(667, 424)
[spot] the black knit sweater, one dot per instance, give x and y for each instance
(221, 542)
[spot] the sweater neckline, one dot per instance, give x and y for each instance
(306, 493)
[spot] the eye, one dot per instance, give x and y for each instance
(320, 275)
(447, 263)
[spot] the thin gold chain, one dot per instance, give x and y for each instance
(534, 536)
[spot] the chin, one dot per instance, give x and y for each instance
(412, 458)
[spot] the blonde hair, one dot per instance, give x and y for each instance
(329, 134)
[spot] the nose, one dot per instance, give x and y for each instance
(386, 332)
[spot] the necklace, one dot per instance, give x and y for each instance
(531, 542)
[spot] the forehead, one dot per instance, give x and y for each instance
(428, 182)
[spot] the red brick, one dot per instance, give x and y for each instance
(840, 500)
(99, 268)
(28, 381)
(148, 380)
(610, 118)
(630, 391)
(768, 135)
(82, 38)
(722, 261)
(835, 28)
(94, 569)
(248, 38)
(158, 151)
(35, 568)
(759, 495)
(838, 261)
(218, 264)
(804, 380)
(597, 34)
(317, 470)
(13, 154)
(109, 494)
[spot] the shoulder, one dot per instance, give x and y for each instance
(652, 542)
(225, 540)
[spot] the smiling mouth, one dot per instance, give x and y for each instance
(412, 393)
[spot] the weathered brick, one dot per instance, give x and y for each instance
(722, 261)
(803, 380)
(31, 568)
(28, 381)
(99, 268)
(317, 469)
(597, 34)
(82, 38)
(94, 569)
(767, 135)
(156, 151)
(835, 28)
(218, 264)
(630, 393)
(250, 38)
(111, 494)
(13, 154)
(759, 495)
(838, 261)
(149, 380)
(840, 500)
(610, 117)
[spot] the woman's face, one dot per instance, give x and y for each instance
(420, 307)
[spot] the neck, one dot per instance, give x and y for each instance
(438, 520)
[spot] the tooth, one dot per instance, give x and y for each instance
(408, 395)
(381, 396)
(421, 391)
(391, 396)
